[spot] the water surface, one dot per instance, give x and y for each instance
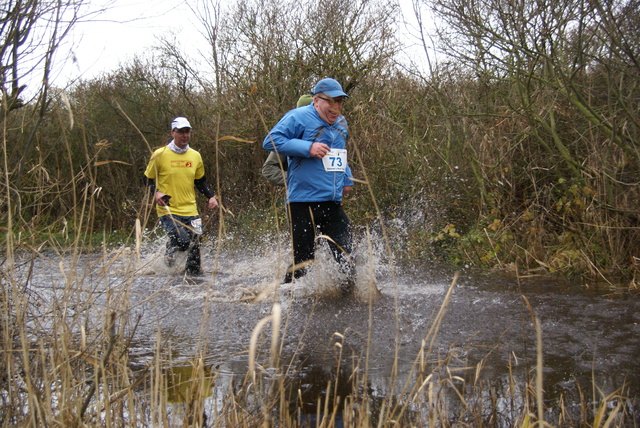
(486, 336)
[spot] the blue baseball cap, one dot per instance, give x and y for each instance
(329, 86)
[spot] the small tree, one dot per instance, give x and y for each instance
(551, 124)
(31, 32)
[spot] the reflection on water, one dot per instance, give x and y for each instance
(188, 386)
(484, 348)
(313, 395)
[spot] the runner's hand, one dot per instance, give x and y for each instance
(213, 203)
(318, 150)
(158, 198)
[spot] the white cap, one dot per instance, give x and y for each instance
(179, 123)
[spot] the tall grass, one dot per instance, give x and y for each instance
(67, 360)
(460, 172)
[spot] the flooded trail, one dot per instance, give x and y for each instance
(487, 317)
(590, 337)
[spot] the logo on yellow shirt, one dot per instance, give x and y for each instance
(181, 164)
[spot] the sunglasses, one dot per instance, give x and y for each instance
(332, 101)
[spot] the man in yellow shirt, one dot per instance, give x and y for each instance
(173, 173)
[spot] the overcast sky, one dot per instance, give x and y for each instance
(129, 28)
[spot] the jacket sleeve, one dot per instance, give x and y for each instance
(347, 177)
(149, 182)
(272, 171)
(285, 137)
(203, 187)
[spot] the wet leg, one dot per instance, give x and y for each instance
(303, 238)
(193, 265)
(173, 243)
(336, 225)
(179, 236)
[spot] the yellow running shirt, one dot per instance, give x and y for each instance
(174, 174)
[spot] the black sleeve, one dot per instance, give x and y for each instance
(149, 182)
(203, 187)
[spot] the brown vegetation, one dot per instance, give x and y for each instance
(521, 151)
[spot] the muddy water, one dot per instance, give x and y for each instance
(590, 336)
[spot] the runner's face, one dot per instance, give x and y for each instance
(328, 108)
(181, 137)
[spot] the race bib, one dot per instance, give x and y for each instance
(196, 224)
(335, 160)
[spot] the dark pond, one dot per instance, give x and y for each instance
(590, 335)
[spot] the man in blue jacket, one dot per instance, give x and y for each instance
(314, 138)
